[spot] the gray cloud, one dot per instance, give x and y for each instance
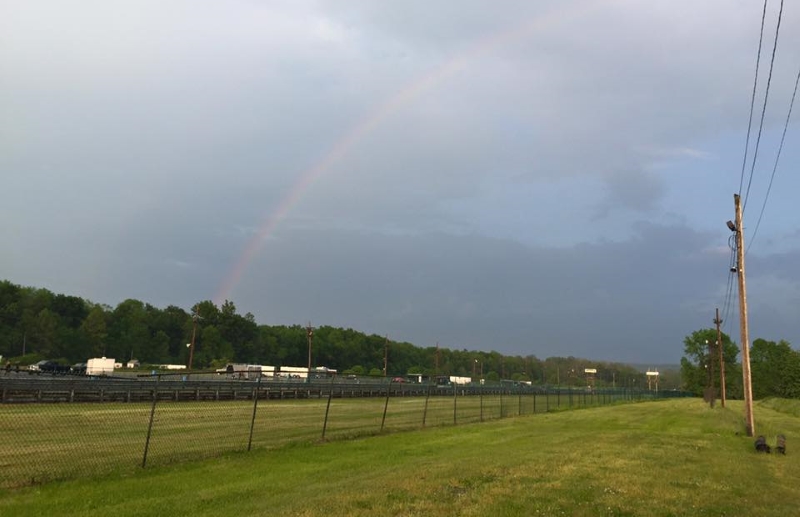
(539, 176)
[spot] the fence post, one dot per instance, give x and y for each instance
(481, 395)
(501, 400)
(328, 408)
(425, 411)
(255, 408)
(386, 404)
(150, 425)
(519, 410)
(455, 398)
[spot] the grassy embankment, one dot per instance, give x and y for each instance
(674, 457)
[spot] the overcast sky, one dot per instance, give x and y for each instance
(547, 178)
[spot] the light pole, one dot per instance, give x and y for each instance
(191, 345)
(310, 336)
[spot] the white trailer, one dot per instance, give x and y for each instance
(294, 372)
(460, 380)
(100, 366)
(246, 371)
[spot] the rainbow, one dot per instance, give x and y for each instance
(381, 112)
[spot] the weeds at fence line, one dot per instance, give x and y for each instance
(58, 428)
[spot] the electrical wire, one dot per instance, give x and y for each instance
(763, 108)
(753, 97)
(726, 305)
(775, 166)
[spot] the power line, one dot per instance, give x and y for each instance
(777, 158)
(726, 306)
(763, 108)
(753, 96)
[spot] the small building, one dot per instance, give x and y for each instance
(133, 363)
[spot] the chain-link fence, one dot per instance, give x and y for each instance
(66, 427)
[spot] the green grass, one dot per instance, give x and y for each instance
(664, 458)
(40, 443)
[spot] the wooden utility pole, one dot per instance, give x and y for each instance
(711, 369)
(191, 345)
(310, 336)
(745, 336)
(385, 355)
(718, 322)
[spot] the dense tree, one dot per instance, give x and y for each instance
(701, 357)
(775, 369)
(56, 326)
(95, 331)
(44, 331)
(71, 309)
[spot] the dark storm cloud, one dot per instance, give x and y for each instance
(538, 177)
(633, 300)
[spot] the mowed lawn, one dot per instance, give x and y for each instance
(672, 457)
(41, 443)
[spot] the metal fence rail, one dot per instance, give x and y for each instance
(66, 427)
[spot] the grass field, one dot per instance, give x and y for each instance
(40, 443)
(663, 458)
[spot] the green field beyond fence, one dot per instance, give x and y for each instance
(45, 441)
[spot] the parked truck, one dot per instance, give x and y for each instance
(100, 366)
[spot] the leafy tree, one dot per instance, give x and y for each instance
(207, 312)
(95, 331)
(159, 349)
(71, 309)
(43, 333)
(129, 335)
(699, 359)
(775, 369)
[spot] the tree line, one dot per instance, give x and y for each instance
(774, 366)
(38, 324)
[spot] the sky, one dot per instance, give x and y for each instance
(544, 178)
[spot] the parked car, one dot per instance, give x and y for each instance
(54, 368)
(38, 366)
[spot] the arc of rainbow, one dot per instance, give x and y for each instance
(406, 95)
